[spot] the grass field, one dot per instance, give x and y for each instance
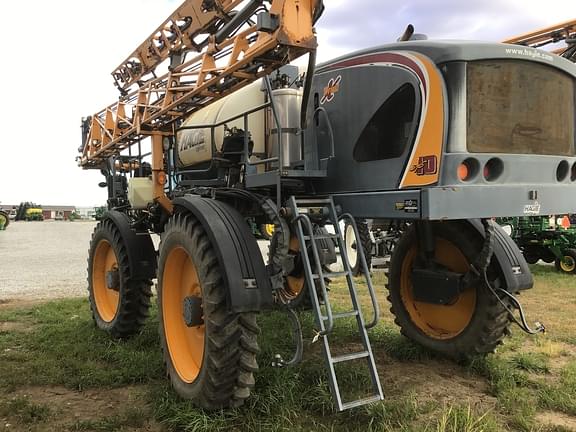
(57, 372)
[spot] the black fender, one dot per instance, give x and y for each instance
(245, 276)
(142, 256)
(510, 259)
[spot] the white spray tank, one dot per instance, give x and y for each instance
(194, 146)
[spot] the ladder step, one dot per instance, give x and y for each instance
(330, 275)
(342, 315)
(322, 236)
(351, 356)
(360, 402)
(310, 201)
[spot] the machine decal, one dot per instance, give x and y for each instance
(532, 209)
(430, 135)
(408, 206)
(427, 165)
(331, 89)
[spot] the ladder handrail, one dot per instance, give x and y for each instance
(329, 316)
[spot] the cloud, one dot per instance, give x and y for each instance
(348, 26)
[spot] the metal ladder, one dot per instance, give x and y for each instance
(303, 211)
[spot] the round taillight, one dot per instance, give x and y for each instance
(562, 171)
(463, 172)
(493, 169)
(468, 169)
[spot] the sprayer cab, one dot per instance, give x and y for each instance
(454, 129)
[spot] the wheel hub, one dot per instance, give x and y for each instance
(113, 279)
(192, 311)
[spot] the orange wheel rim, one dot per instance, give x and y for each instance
(106, 299)
(439, 321)
(185, 344)
(294, 284)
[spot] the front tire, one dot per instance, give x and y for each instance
(475, 322)
(119, 303)
(210, 352)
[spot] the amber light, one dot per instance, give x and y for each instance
(463, 172)
(468, 169)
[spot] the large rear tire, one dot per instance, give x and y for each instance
(474, 323)
(119, 304)
(209, 351)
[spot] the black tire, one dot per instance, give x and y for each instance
(352, 244)
(567, 263)
(487, 322)
(295, 292)
(225, 373)
(531, 255)
(547, 255)
(133, 300)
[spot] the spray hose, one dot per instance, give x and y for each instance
(480, 268)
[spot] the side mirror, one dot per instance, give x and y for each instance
(103, 184)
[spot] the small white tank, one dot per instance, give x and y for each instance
(140, 192)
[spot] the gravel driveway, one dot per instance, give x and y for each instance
(44, 259)
(40, 260)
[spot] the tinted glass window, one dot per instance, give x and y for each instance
(390, 130)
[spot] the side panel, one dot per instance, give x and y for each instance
(361, 97)
(139, 247)
(245, 275)
(361, 91)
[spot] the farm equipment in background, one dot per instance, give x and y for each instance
(538, 239)
(28, 211)
(378, 242)
(4, 220)
(415, 131)
(99, 212)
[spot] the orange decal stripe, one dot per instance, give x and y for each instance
(424, 165)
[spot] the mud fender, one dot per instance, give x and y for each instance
(510, 259)
(247, 281)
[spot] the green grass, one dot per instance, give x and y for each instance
(56, 344)
(24, 411)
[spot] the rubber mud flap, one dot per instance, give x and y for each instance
(510, 259)
(139, 247)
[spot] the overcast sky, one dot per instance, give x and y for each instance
(57, 55)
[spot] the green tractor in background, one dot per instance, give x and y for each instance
(538, 239)
(29, 211)
(4, 220)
